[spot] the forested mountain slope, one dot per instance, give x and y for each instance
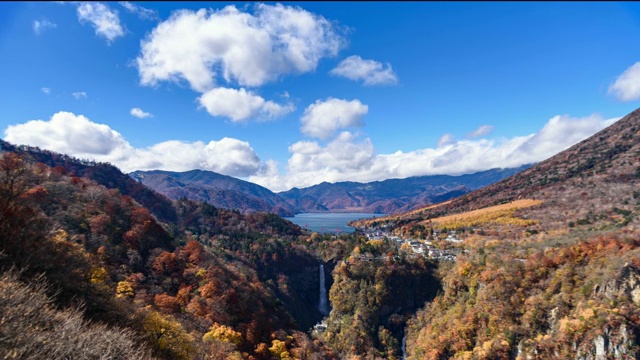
(550, 266)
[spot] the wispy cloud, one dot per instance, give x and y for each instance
(45, 90)
(39, 26)
(370, 72)
(79, 95)
(479, 132)
(139, 113)
(446, 139)
(142, 12)
(105, 20)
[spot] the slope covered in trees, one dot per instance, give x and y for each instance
(167, 284)
(212, 284)
(555, 278)
(549, 267)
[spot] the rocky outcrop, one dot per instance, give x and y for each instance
(627, 285)
(612, 344)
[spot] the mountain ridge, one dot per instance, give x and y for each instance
(219, 190)
(391, 195)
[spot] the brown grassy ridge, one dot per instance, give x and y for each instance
(369, 221)
(501, 214)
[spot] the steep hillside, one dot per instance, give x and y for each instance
(213, 284)
(104, 174)
(549, 266)
(393, 195)
(219, 190)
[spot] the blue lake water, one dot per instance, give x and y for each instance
(329, 222)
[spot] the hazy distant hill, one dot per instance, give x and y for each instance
(393, 195)
(219, 190)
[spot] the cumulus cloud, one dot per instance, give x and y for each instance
(348, 158)
(41, 25)
(323, 118)
(142, 12)
(627, 85)
(105, 21)
(78, 136)
(139, 113)
(483, 130)
(45, 90)
(241, 105)
(250, 49)
(370, 72)
(79, 95)
(67, 133)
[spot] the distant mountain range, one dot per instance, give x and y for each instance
(393, 195)
(387, 196)
(219, 190)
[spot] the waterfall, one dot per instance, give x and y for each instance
(404, 347)
(323, 306)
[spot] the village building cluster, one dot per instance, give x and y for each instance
(419, 247)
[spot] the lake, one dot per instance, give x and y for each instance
(329, 222)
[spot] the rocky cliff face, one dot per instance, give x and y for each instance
(611, 342)
(627, 285)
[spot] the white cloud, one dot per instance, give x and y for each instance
(371, 72)
(249, 49)
(45, 90)
(41, 25)
(480, 131)
(227, 156)
(323, 118)
(68, 133)
(348, 159)
(241, 105)
(559, 133)
(79, 95)
(446, 139)
(139, 113)
(104, 20)
(142, 12)
(627, 85)
(78, 136)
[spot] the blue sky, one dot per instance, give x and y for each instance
(294, 94)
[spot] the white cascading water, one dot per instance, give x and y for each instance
(323, 306)
(404, 347)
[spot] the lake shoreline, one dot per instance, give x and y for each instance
(329, 222)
